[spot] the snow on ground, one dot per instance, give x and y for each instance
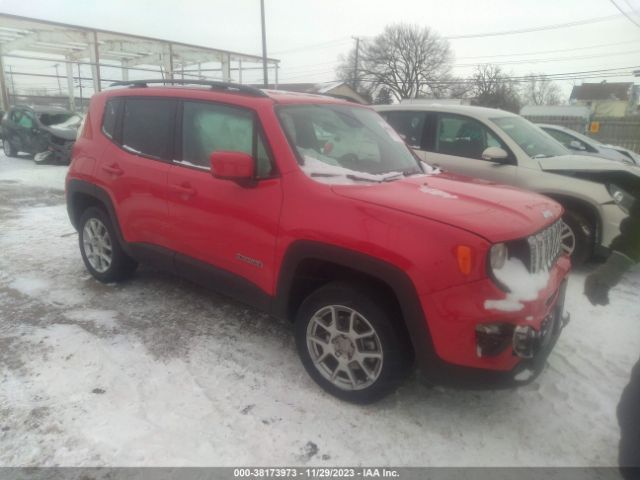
(157, 371)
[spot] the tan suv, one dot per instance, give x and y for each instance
(505, 148)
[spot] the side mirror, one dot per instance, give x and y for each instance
(235, 166)
(576, 145)
(495, 154)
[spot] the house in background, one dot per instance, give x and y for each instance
(615, 99)
(336, 89)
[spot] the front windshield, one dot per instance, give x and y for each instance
(61, 120)
(340, 140)
(533, 140)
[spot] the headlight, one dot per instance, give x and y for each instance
(623, 198)
(498, 256)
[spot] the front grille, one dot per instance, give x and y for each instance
(545, 247)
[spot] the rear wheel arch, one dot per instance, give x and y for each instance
(82, 195)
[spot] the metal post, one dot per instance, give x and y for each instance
(225, 64)
(97, 84)
(170, 72)
(3, 86)
(80, 86)
(240, 71)
(13, 85)
(125, 71)
(265, 71)
(276, 83)
(58, 79)
(71, 90)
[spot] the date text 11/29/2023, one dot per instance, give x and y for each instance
(360, 472)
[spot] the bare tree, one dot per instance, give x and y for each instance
(383, 97)
(539, 90)
(491, 87)
(408, 60)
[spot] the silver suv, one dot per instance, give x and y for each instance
(505, 148)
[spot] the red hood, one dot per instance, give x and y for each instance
(495, 212)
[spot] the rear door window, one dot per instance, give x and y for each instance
(148, 126)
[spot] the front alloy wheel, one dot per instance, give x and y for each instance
(344, 347)
(351, 341)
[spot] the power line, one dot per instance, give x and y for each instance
(327, 44)
(546, 60)
(625, 13)
(548, 51)
(535, 29)
(584, 74)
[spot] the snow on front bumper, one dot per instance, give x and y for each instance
(455, 315)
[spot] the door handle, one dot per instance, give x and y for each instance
(113, 169)
(184, 189)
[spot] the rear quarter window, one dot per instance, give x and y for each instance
(110, 117)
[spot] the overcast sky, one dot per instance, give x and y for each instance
(308, 36)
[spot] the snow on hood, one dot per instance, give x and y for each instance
(336, 175)
(584, 163)
(495, 212)
(523, 285)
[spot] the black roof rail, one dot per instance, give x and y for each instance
(228, 86)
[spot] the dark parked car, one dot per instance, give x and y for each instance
(47, 133)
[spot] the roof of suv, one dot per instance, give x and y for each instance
(478, 112)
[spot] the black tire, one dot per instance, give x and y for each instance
(9, 148)
(584, 234)
(121, 266)
(393, 344)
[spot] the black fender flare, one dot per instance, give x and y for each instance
(76, 186)
(395, 278)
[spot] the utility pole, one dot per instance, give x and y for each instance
(355, 64)
(265, 72)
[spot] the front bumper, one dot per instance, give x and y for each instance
(454, 315)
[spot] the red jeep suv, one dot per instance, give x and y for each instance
(313, 209)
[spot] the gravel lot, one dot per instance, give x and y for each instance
(157, 371)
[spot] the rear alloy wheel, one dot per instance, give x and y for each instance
(8, 148)
(101, 252)
(577, 237)
(349, 345)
